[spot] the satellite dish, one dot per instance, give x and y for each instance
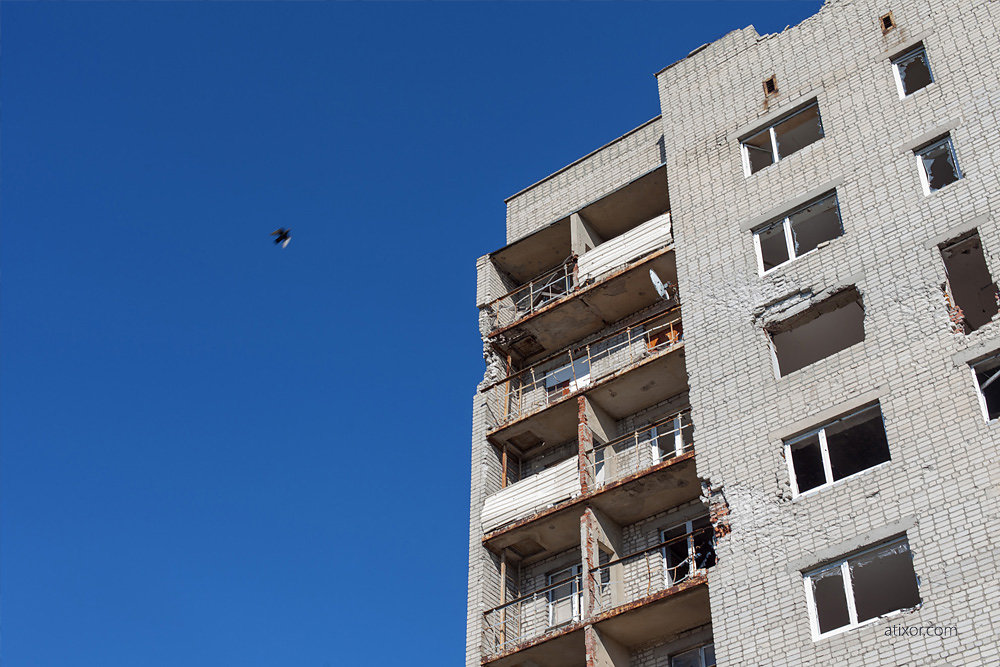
(661, 289)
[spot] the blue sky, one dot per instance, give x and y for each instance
(216, 452)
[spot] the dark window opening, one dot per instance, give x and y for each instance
(771, 85)
(938, 164)
(988, 378)
(842, 448)
(888, 22)
(878, 581)
(825, 329)
(971, 287)
(787, 135)
(913, 70)
(799, 232)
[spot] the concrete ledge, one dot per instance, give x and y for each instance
(974, 353)
(795, 202)
(957, 230)
(837, 551)
(929, 136)
(828, 414)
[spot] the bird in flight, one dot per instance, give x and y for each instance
(282, 236)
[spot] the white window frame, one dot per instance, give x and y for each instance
(688, 527)
(575, 596)
(786, 222)
(745, 152)
(979, 390)
(924, 179)
(905, 55)
(820, 432)
(845, 573)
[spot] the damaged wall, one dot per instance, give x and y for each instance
(941, 448)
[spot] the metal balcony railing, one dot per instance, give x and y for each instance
(532, 296)
(671, 562)
(662, 440)
(548, 381)
(532, 615)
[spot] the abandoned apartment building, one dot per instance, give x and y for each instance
(742, 378)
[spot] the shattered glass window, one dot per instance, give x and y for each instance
(883, 581)
(856, 443)
(830, 599)
(815, 223)
(913, 70)
(939, 165)
(988, 379)
(759, 150)
(807, 462)
(773, 247)
(788, 134)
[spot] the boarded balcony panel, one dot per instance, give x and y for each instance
(558, 483)
(630, 246)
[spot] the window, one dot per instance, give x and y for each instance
(912, 70)
(888, 22)
(564, 599)
(703, 656)
(802, 230)
(671, 437)
(987, 375)
(970, 287)
(937, 164)
(688, 548)
(825, 329)
(564, 380)
(861, 588)
(787, 135)
(770, 86)
(835, 451)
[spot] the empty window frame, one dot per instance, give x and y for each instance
(687, 549)
(861, 588)
(703, 656)
(564, 599)
(987, 376)
(937, 164)
(970, 286)
(912, 70)
(798, 232)
(825, 329)
(564, 380)
(837, 450)
(782, 138)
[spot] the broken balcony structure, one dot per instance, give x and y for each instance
(589, 438)
(786, 447)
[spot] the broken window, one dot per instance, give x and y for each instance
(937, 164)
(782, 138)
(987, 374)
(800, 231)
(839, 449)
(912, 70)
(862, 587)
(971, 288)
(564, 596)
(825, 329)
(688, 548)
(566, 379)
(703, 656)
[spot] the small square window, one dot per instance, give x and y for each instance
(770, 86)
(912, 70)
(837, 450)
(887, 21)
(861, 588)
(937, 164)
(798, 232)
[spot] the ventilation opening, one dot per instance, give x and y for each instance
(825, 329)
(971, 287)
(771, 86)
(887, 21)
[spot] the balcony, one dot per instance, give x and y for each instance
(658, 591)
(544, 626)
(623, 371)
(546, 489)
(582, 293)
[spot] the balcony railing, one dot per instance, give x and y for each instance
(550, 380)
(662, 440)
(674, 560)
(532, 296)
(532, 615)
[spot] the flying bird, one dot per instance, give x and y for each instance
(282, 236)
